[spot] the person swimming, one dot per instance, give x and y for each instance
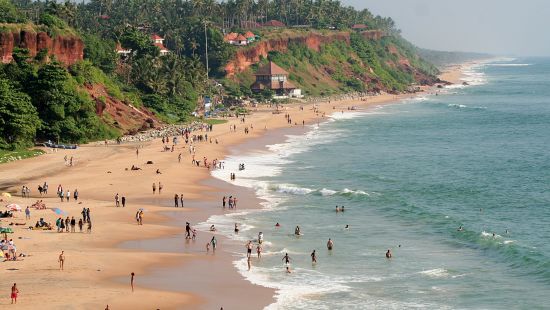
(330, 244)
(347, 227)
(236, 228)
(297, 231)
(212, 228)
(277, 225)
(460, 228)
(388, 254)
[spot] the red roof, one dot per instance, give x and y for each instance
(271, 69)
(249, 34)
(240, 37)
(156, 37)
(274, 23)
(160, 46)
(230, 36)
(359, 26)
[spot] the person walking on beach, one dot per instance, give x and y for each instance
(73, 224)
(14, 293)
(187, 230)
(27, 213)
(330, 244)
(213, 241)
(160, 187)
(132, 281)
(176, 200)
(223, 201)
(68, 195)
(181, 200)
(313, 257)
(123, 200)
(117, 203)
(154, 188)
(75, 194)
(61, 260)
(259, 251)
(80, 224)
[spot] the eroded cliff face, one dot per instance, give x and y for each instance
(248, 56)
(67, 50)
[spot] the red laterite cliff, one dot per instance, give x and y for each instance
(66, 49)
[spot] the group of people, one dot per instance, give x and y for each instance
(8, 250)
(68, 225)
(25, 192)
(66, 194)
(231, 202)
(178, 200)
(119, 200)
(43, 189)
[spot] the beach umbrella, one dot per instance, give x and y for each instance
(6, 231)
(58, 211)
(7, 195)
(14, 207)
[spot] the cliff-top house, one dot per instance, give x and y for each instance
(158, 41)
(275, 78)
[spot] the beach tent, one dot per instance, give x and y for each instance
(14, 207)
(58, 211)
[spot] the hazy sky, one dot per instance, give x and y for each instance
(519, 27)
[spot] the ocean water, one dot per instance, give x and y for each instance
(409, 174)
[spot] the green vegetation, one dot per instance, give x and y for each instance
(211, 121)
(7, 156)
(389, 64)
(41, 99)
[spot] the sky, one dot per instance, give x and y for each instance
(500, 27)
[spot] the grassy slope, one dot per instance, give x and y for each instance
(390, 64)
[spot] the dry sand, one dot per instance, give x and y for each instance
(98, 265)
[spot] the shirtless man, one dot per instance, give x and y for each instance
(61, 260)
(14, 292)
(132, 281)
(286, 259)
(330, 244)
(313, 257)
(249, 249)
(388, 254)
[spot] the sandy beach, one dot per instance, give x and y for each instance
(171, 272)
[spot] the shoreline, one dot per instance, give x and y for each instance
(104, 259)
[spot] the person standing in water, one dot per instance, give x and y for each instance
(213, 241)
(286, 259)
(132, 281)
(330, 244)
(388, 254)
(313, 257)
(297, 231)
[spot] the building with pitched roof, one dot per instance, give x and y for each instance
(275, 78)
(158, 41)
